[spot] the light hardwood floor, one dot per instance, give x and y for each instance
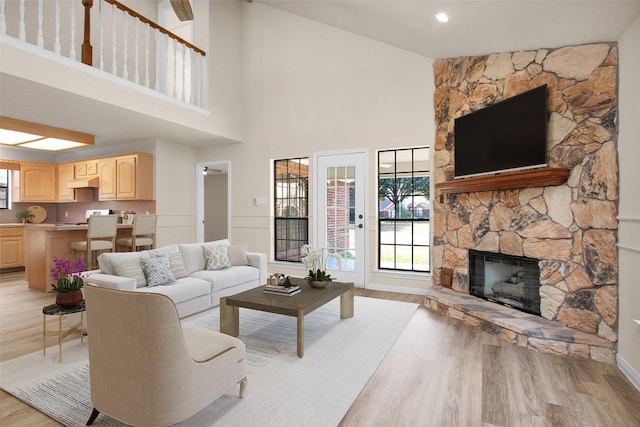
(440, 372)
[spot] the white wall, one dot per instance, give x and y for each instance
(310, 87)
(216, 209)
(629, 209)
(175, 193)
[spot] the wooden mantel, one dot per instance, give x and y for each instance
(506, 181)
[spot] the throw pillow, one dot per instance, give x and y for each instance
(177, 265)
(157, 270)
(130, 267)
(238, 255)
(216, 257)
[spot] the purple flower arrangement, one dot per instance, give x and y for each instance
(67, 274)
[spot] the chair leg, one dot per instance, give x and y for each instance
(93, 416)
(243, 387)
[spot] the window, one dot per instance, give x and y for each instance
(291, 204)
(403, 209)
(4, 189)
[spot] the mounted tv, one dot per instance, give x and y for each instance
(506, 136)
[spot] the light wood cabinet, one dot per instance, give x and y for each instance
(126, 178)
(11, 247)
(86, 168)
(38, 182)
(66, 174)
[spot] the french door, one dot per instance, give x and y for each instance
(340, 212)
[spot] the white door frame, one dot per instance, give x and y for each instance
(364, 195)
(200, 196)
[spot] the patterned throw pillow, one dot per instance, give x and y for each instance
(130, 267)
(157, 270)
(216, 257)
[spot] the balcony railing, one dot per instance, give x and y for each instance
(114, 38)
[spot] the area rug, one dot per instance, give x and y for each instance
(316, 390)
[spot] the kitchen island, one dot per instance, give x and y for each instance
(44, 242)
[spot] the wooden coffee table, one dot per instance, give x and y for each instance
(297, 306)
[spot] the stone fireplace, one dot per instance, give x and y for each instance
(570, 228)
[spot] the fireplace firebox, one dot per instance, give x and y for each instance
(504, 279)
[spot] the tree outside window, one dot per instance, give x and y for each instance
(404, 207)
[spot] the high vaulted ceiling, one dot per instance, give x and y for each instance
(475, 27)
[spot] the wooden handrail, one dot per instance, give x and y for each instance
(153, 25)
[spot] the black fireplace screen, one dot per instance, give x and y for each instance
(505, 279)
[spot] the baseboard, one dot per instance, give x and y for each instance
(399, 289)
(628, 371)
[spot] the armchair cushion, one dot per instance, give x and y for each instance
(238, 255)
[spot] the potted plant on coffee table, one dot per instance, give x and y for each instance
(316, 262)
(68, 281)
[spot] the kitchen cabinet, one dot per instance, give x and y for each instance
(126, 178)
(38, 182)
(11, 247)
(86, 168)
(66, 174)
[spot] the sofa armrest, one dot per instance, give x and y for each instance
(112, 282)
(259, 261)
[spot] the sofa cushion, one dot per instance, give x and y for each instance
(177, 265)
(105, 260)
(193, 254)
(157, 270)
(228, 277)
(216, 257)
(130, 267)
(181, 290)
(238, 255)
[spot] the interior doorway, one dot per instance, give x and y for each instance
(214, 201)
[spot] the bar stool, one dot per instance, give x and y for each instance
(101, 227)
(143, 233)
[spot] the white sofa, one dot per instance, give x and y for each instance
(198, 281)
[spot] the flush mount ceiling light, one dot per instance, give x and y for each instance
(20, 133)
(442, 17)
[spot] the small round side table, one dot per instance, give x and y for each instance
(58, 310)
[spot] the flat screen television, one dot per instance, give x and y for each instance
(506, 136)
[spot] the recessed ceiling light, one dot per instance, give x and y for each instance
(19, 133)
(442, 17)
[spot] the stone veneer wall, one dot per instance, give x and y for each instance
(571, 228)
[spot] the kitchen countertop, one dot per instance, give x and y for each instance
(65, 227)
(12, 225)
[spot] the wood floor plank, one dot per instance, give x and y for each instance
(440, 372)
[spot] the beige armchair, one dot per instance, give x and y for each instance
(148, 369)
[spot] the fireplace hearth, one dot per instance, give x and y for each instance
(505, 279)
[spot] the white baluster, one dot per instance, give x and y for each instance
(125, 39)
(205, 82)
(101, 13)
(56, 44)
(40, 18)
(114, 38)
(184, 72)
(136, 77)
(146, 58)
(22, 34)
(72, 47)
(175, 68)
(3, 19)
(156, 85)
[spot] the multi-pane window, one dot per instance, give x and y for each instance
(403, 209)
(4, 189)
(291, 204)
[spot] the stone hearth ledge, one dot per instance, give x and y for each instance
(516, 327)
